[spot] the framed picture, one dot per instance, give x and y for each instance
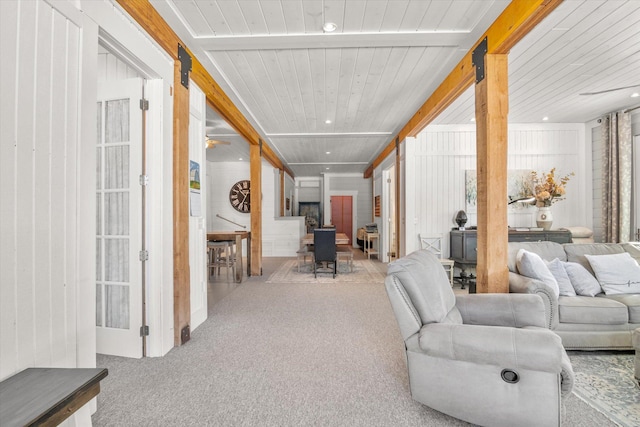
(519, 185)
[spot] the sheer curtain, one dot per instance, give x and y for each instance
(616, 177)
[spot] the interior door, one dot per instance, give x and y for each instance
(119, 219)
(342, 214)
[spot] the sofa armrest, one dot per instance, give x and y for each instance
(514, 348)
(525, 285)
(514, 310)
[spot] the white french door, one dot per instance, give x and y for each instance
(119, 219)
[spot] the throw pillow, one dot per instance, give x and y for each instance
(531, 265)
(582, 281)
(560, 274)
(617, 273)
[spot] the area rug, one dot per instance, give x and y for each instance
(604, 380)
(364, 271)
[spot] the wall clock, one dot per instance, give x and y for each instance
(240, 196)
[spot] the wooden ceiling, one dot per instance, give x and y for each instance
(385, 58)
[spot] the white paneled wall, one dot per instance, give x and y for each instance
(47, 185)
(280, 235)
(437, 159)
(45, 157)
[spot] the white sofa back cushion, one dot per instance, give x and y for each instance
(617, 273)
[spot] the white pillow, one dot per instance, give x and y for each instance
(531, 265)
(617, 273)
(581, 280)
(560, 274)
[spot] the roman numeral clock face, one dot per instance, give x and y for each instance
(240, 196)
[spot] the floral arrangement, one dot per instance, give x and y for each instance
(546, 189)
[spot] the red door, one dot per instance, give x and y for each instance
(342, 214)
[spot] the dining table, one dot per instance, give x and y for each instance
(236, 236)
(341, 239)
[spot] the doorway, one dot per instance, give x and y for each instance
(342, 215)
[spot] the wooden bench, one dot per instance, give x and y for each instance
(47, 396)
(344, 253)
(303, 253)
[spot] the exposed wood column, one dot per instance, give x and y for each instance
(282, 206)
(181, 285)
(492, 108)
(397, 201)
(255, 159)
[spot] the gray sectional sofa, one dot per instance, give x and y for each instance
(583, 322)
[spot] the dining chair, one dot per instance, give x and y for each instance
(324, 248)
(434, 245)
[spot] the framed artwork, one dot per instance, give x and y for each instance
(519, 185)
(311, 213)
(376, 206)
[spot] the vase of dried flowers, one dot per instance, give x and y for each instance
(548, 190)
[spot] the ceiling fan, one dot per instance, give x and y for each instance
(211, 143)
(609, 90)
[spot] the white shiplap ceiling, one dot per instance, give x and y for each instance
(384, 60)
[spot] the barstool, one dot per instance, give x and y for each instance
(221, 254)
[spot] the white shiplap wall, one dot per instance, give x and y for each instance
(280, 235)
(47, 182)
(436, 161)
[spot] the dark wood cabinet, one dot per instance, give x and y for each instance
(464, 243)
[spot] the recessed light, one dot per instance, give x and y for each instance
(328, 168)
(328, 121)
(240, 158)
(635, 94)
(545, 118)
(328, 152)
(473, 119)
(329, 27)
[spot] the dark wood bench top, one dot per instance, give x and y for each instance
(47, 396)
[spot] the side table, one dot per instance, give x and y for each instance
(370, 239)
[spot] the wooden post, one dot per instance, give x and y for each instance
(282, 196)
(255, 159)
(492, 107)
(181, 285)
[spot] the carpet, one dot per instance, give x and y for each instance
(364, 271)
(605, 381)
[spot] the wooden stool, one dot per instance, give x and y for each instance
(303, 253)
(221, 254)
(344, 252)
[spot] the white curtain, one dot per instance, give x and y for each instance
(617, 177)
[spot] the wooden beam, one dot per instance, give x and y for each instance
(515, 22)
(256, 210)
(492, 108)
(150, 20)
(181, 274)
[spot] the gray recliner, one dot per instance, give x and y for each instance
(487, 359)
